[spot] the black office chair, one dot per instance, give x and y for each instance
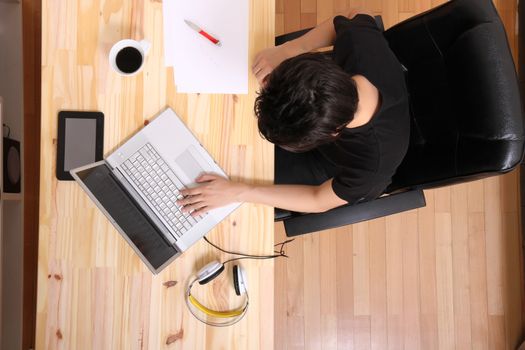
(466, 112)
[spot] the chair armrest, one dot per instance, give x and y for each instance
(299, 224)
(379, 22)
(281, 39)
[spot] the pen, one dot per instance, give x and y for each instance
(202, 32)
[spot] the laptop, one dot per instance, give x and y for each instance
(137, 185)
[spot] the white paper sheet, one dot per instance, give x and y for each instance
(199, 65)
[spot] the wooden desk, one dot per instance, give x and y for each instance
(93, 291)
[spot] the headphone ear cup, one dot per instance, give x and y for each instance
(209, 272)
(236, 280)
(239, 280)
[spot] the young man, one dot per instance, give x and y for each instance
(347, 113)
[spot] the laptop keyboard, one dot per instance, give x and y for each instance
(160, 188)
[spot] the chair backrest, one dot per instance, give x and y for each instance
(466, 112)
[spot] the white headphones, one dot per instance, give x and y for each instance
(207, 274)
(240, 284)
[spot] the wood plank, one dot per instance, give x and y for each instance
(510, 201)
(292, 15)
(308, 6)
(362, 334)
(394, 280)
(497, 333)
(373, 6)
(295, 274)
(513, 292)
(328, 279)
(295, 310)
(478, 281)
(279, 6)
(308, 20)
(444, 276)
(422, 5)
(279, 24)
(378, 286)
(389, 13)
(494, 245)
(442, 201)
(407, 5)
(411, 297)
(280, 294)
(325, 10)
(312, 292)
(427, 273)
(436, 3)
(361, 266)
(341, 7)
(460, 262)
(345, 287)
(476, 196)
(405, 15)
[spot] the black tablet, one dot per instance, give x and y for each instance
(80, 140)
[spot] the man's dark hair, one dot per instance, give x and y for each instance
(306, 101)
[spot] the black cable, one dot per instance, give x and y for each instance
(248, 256)
(227, 251)
(282, 244)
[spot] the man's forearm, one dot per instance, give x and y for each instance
(300, 198)
(322, 35)
(215, 191)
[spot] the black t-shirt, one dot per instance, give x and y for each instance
(367, 156)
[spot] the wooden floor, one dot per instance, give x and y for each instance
(447, 276)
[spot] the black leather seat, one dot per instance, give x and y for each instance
(466, 112)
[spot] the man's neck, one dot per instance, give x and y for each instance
(369, 102)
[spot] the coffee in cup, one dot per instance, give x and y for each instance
(127, 56)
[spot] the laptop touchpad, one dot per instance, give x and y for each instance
(192, 165)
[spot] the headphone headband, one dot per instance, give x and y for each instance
(234, 315)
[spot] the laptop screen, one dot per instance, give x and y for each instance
(126, 213)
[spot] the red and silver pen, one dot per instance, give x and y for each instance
(202, 32)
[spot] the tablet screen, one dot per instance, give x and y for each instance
(80, 137)
(80, 142)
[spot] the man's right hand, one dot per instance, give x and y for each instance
(268, 59)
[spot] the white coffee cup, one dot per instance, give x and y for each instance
(127, 56)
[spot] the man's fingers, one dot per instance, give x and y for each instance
(256, 61)
(258, 68)
(193, 206)
(262, 74)
(202, 211)
(263, 83)
(206, 177)
(191, 191)
(259, 77)
(190, 200)
(267, 71)
(262, 67)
